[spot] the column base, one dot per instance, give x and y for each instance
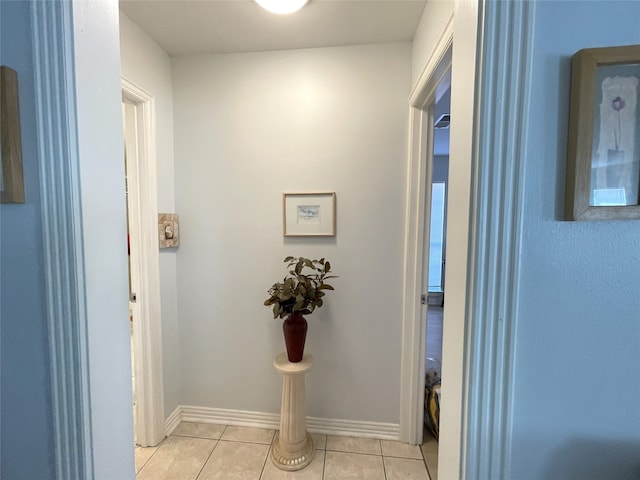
(291, 461)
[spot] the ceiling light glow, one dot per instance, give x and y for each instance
(282, 6)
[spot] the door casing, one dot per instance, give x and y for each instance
(144, 263)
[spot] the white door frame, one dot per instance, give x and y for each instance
(145, 268)
(490, 86)
(417, 229)
(500, 130)
(463, 24)
(64, 265)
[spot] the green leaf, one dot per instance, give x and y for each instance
(302, 288)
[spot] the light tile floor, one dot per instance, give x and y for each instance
(198, 451)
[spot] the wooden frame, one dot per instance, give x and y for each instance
(603, 164)
(11, 177)
(309, 214)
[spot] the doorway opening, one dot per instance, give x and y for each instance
(434, 276)
(144, 268)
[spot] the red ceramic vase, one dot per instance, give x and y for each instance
(295, 333)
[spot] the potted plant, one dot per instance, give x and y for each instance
(300, 293)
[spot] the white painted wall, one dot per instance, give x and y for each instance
(434, 19)
(249, 127)
(145, 64)
(99, 123)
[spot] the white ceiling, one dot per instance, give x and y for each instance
(225, 26)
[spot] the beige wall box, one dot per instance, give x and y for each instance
(309, 214)
(603, 165)
(168, 230)
(11, 179)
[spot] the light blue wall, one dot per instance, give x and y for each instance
(576, 411)
(26, 433)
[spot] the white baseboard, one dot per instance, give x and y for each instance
(243, 418)
(172, 421)
(354, 428)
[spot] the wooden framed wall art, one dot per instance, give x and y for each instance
(11, 176)
(603, 165)
(309, 214)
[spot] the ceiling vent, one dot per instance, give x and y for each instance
(443, 121)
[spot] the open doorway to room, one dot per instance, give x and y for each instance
(144, 271)
(131, 290)
(434, 278)
(132, 201)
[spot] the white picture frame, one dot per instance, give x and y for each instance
(309, 214)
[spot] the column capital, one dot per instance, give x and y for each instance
(283, 365)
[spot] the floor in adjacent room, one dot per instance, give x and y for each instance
(434, 334)
(207, 451)
(433, 360)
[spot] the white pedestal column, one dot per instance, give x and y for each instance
(292, 448)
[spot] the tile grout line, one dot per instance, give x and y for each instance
(210, 453)
(384, 468)
(207, 460)
(221, 439)
(264, 464)
(354, 453)
(424, 459)
(324, 460)
(147, 461)
(150, 457)
(401, 458)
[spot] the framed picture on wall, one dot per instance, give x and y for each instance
(603, 165)
(11, 176)
(309, 214)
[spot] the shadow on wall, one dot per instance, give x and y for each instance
(591, 458)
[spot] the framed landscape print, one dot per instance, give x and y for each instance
(309, 214)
